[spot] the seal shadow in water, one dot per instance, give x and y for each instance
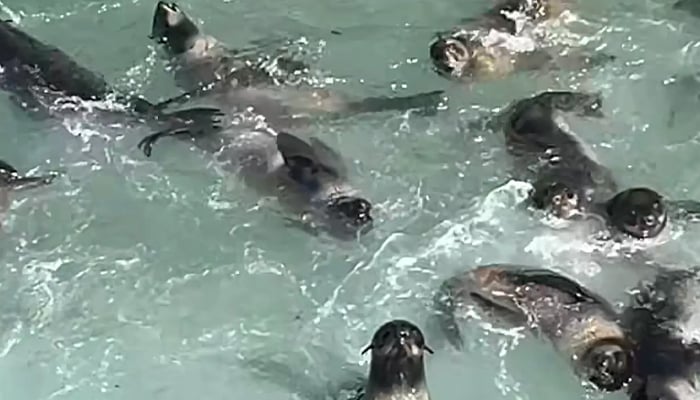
(40, 76)
(580, 324)
(397, 370)
(235, 81)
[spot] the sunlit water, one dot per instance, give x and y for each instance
(159, 278)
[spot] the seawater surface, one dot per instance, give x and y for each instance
(162, 278)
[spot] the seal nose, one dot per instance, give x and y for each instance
(650, 220)
(610, 369)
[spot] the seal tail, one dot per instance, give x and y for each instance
(426, 101)
(445, 307)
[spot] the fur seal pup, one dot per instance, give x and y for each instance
(203, 63)
(667, 367)
(579, 323)
(493, 46)
(40, 75)
(309, 179)
(396, 372)
(566, 177)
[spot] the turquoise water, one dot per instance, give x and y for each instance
(158, 278)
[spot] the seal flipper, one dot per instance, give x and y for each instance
(552, 279)
(445, 303)
(10, 178)
(305, 160)
(690, 6)
(427, 101)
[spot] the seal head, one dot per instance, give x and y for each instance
(638, 212)
(451, 55)
(172, 28)
(396, 369)
(607, 364)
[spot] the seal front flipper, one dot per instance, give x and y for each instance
(305, 160)
(427, 101)
(192, 121)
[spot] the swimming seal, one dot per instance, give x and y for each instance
(492, 46)
(567, 180)
(40, 75)
(579, 323)
(396, 372)
(203, 63)
(309, 179)
(667, 367)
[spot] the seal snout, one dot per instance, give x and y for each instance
(351, 214)
(172, 27)
(449, 55)
(609, 366)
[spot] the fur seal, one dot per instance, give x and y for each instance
(579, 323)
(492, 46)
(667, 367)
(309, 179)
(203, 63)
(39, 75)
(396, 372)
(567, 178)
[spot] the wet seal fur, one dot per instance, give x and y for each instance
(204, 64)
(667, 367)
(397, 369)
(40, 75)
(580, 324)
(479, 48)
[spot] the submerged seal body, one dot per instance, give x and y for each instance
(667, 366)
(40, 75)
(201, 62)
(580, 324)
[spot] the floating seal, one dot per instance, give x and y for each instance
(39, 75)
(567, 179)
(580, 324)
(203, 63)
(397, 370)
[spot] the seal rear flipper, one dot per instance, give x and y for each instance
(427, 101)
(445, 303)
